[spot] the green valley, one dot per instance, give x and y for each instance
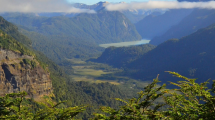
(92, 63)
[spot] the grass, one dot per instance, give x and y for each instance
(76, 61)
(90, 72)
(92, 80)
(87, 74)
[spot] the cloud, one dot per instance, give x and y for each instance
(160, 5)
(39, 6)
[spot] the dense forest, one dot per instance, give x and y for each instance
(121, 56)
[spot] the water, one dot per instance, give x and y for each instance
(125, 44)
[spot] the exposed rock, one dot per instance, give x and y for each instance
(16, 76)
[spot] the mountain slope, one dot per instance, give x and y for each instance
(103, 27)
(121, 56)
(198, 19)
(155, 25)
(62, 38)
(9, 28)
(20, 70)
(192, 56)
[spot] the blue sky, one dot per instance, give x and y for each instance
(90, 2)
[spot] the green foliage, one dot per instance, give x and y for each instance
(195, 101)
(191, 101)
(142, 107)
(11, 107)
(12, 30)
(57, 48)
(32, 63)
(8, 42)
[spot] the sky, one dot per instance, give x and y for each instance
(42, 6)
(90, 2)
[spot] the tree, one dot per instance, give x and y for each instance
(190, 101)
(13, 107)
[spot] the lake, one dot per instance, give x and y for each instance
(125, 44)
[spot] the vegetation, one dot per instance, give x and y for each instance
(9, 43)
(190, 55)
(77, 93)
(192, 101)
(189, 101)
(12, 30)
(61, 38)
(103, 27)
(121, 56)
(13, 107)
(61, 48)
(32, 63)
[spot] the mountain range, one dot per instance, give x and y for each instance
(77, 36)
(191, 56)
(156, 25)
(199, 18)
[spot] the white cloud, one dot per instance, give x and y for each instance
(161, 5)
(38, 6)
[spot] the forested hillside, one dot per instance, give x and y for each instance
(198, 19)
(121, 56)
(103, 27)
(192, 56)
(76, 93)
(61, 38)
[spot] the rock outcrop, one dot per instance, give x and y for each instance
(17, 75)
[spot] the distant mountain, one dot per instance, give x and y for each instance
(121, 56)
(96, 7)
(103, 27)
(198, 19)
(156, 25)
(134, 15)
(191, 56)
(63, 38)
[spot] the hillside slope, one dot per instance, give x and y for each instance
(155, 25)
(198, 19)
(103, 27)
(192, 56)
(121, 56)
(20, 70)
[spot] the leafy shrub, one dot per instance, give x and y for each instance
(11, 107)
(191, 101)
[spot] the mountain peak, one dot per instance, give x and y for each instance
(102, 3)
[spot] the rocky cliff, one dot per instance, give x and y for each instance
(20, 72)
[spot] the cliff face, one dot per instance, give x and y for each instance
(16, 74)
